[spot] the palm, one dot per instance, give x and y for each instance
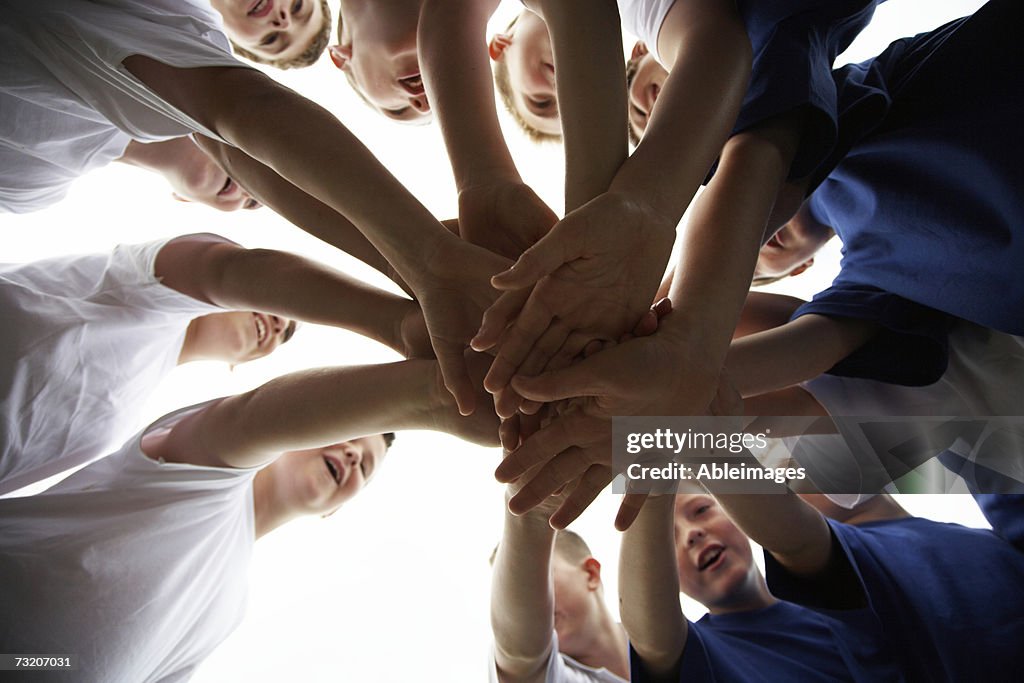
(506, 218)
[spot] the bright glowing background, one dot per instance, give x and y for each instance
(395, 586)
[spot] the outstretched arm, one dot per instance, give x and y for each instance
(522, 599)
(316, 408)
(302, 210)
(230, 276)
(649, 590)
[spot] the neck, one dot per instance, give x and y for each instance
(757, 597)
(607, 648)
(269, 510)
(198, 345)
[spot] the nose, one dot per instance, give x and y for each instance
(420, 103)
(353, 455)
(282, 18)
(277, 324)
(694, 535)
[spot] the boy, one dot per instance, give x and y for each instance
(548, 613)
(687, 543)
(908, 570)
(136, 563)
(157, 73)
(382, 65)
(88, 338)
(286, 34)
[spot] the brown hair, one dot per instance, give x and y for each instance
(504, 88)
(308, 57)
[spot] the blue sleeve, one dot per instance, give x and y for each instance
(694, 665)
(912, 346)
(1005, 512)
(795, 43)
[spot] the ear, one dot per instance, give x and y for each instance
(179, 198)
(593, 569)
(340, 55)
(639, 50)
(498, 44)
(802, 267)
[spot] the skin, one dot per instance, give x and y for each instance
(194, 176)
(526, 51)
(234, 337)
(314, 481)
(644, 87)
(277, 30)
(378, 51)
(790, 251)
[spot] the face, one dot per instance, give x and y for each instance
(527, 54)
(574, 592)
(203, 181)
(317, 481)
(276, 30)
(378, 54)
(790, 251)
(242, 336)
(646, 78)
(716, 563)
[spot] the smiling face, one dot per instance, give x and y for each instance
(274, 31)
(317, 481)
(791, 250)
(645, 78)
(377, 52)
(524, 54)
(238, 336)
(716, 562)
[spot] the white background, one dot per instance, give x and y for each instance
(395, 586)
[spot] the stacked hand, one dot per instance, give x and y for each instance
(504, 217)
(591, 278)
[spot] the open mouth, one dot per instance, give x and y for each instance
(413, 84)
(228, 188)
(261, 8)
(709, 556)
(334, 468)
(775, 242)
(261, 330)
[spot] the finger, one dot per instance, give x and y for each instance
(594, 481)
(647, 325)
(496, 318)
(561, 470)
(539, 359)
(539, 448)
(572, 351)
(663, 307)
(592, 347)
(518, 341)
(629, 509)
(508, 433)
(507, 402)
(582, 379)
(540, 260)
(452, 362)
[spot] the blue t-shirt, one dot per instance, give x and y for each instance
(778, 644)
(923, 183)
(950, 599)
(795, 43)
(1005, 512)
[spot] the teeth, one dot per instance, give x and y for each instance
(258, 7)
(711, 559)
(261, 330)
(335, 474)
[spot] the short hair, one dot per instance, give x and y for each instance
(569, 545)
(764, 280)
(389, 439)
(308, 57)
(289, 331)
(504, 88)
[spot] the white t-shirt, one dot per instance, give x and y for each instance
(564, 669)
(643, 19)
(67, 105)
(84, 341)
(984, 378)
(136, 567)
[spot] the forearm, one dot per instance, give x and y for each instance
(522, 599)
(722, 239)
(294, 287)
(795, 352)
(784, 525)
(459, 87)
(694, 114)
(763, 311)
(300, 141)
(299, 208)
(310, 409)
(586, 40)
(649, 588)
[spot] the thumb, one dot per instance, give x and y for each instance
(456, 377)
(543, 258)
